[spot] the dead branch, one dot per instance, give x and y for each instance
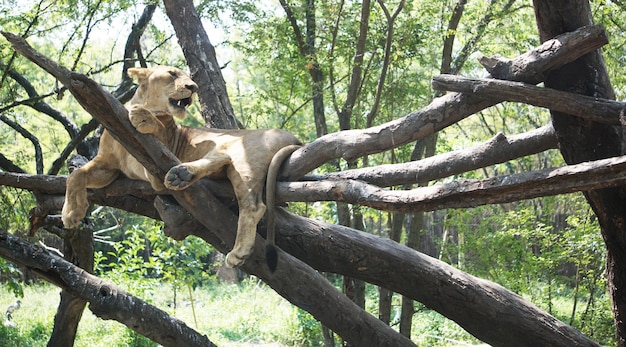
(539, 62)
(464, 193)
(498, 149)
(107, 301)
(590, 108)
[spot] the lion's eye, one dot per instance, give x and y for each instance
(173, 74)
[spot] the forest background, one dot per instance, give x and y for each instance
(549, 250)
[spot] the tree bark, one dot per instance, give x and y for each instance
(205, 70)
(591, 108)
(77, 249)
(583, 140)
(457, 194)
(463, 193)
(498, 149)
(485, 309)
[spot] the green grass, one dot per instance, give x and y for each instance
(228, 314)
(246, 314)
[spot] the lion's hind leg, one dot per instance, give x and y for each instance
(251, 210)
(92, 175)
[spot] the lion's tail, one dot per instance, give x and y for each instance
(271, 254)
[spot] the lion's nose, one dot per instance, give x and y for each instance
(192, 86)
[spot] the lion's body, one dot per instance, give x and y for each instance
(242, 156)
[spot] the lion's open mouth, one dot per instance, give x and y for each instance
(182, 103)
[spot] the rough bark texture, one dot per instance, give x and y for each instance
(77, 249)
(583, 140)
(205, 70)
(136, 196)
(591, 108)
(463, 193)
(498, 149)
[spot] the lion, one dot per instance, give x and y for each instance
(242, 156)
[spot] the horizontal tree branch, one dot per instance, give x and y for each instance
(457, 194)
(443, 111)
(106, 300)
(594, 109)
(498, 149)
(463, 193)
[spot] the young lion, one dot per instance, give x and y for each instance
(242, 156)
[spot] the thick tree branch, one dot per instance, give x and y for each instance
(458, 194)
(466, 193)
(472, 302)
(487, 310)
(107, 301)
(498, 149)
(595, 109)
(533, 67)
(443, 111)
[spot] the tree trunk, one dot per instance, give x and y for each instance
(205, 70)
(583, 140)
(396, 222)
(78, 249)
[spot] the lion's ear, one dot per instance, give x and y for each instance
(139, 74)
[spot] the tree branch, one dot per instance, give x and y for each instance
(498, 149)
(107, 301)
(29, 136)
(591, 108)
(471, 302)
(318, 296)
(465, 193)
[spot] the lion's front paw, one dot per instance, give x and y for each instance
(143, 120)
(234, 260)
(179, 177)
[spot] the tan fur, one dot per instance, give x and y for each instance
(242, 156)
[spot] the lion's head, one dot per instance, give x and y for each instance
(163, 89)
